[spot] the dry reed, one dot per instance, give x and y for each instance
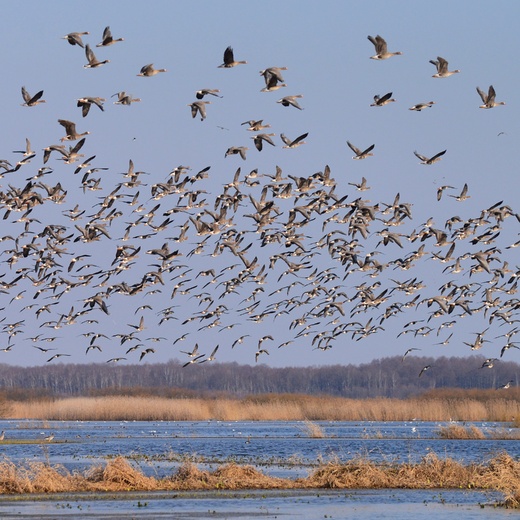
(501, 473)
(266, 408)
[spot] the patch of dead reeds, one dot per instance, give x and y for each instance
(501, 473)
(460, 431)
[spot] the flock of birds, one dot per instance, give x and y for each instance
(169, 263)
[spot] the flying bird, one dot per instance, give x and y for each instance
(430, 160)
(489, 98)
(442, 68)
(31, 101)
(108, 39)
(361, 154)
(381, 49)
(229, 59)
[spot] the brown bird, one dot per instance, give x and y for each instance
(430, 160)
(108, 39)
(92, 60)
(361, 154)
(74, 38)
(70, 129)
(31, 101)
(381, 49)
(229, 59)
(489, 98)
(148, 71)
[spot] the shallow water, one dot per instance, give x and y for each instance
(281, 449)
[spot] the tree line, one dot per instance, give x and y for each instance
(387, 377)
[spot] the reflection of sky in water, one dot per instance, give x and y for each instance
(277, 448)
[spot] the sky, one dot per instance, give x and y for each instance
(327, 55)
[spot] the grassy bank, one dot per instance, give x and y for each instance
(279, 407)
(501, 473)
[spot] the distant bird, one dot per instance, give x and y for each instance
(294, 143)
(506, 385)
(108, 39)
(57, 356)
(489, 98)
(92, 60)
(440, 190)
(259, 139)
(49, 438)
(361, 154)
(125, 99)
(229, 59)
(381, 101)
(259, 352)
(207, 91)
(86, 102)
(422, 106)
(381, 49)
(199, 107)
(463, 194)
(74, 38)
(148, 71)
(193, 360)
(70, 129)
(408, 352)
(430, 160)
(233, 150)
(211, 357)
(273, 78)
(442, 68)
(291, 101)
(423, 370)
(31, 101)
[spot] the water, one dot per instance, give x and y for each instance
(282, 449)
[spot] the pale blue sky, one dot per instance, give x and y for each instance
(326, 51)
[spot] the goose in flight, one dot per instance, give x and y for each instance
(233, 150)
(200, 107)
(381, 49)
(489, 98)
(108, 39)
(259, 139)
(294, 143)
(422, 106)
(207, 91)
(442, 68)
(86, 102)
(361, 154)
(92, 60)
(74, 38)
(229, 59)
(381, 101)
(148, 71)
(430, 160)
(291, 101)
(70, 129)
(31, 101)
(125, 99)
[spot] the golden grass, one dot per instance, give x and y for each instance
(312, 430)
(279, 407)
(501, 473)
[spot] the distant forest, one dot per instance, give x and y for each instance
(388, 377)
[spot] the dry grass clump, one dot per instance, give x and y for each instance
(459, 431)
(313, 430)
(501, 473)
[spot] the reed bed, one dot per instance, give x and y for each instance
(502, 473)
(267, 408)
